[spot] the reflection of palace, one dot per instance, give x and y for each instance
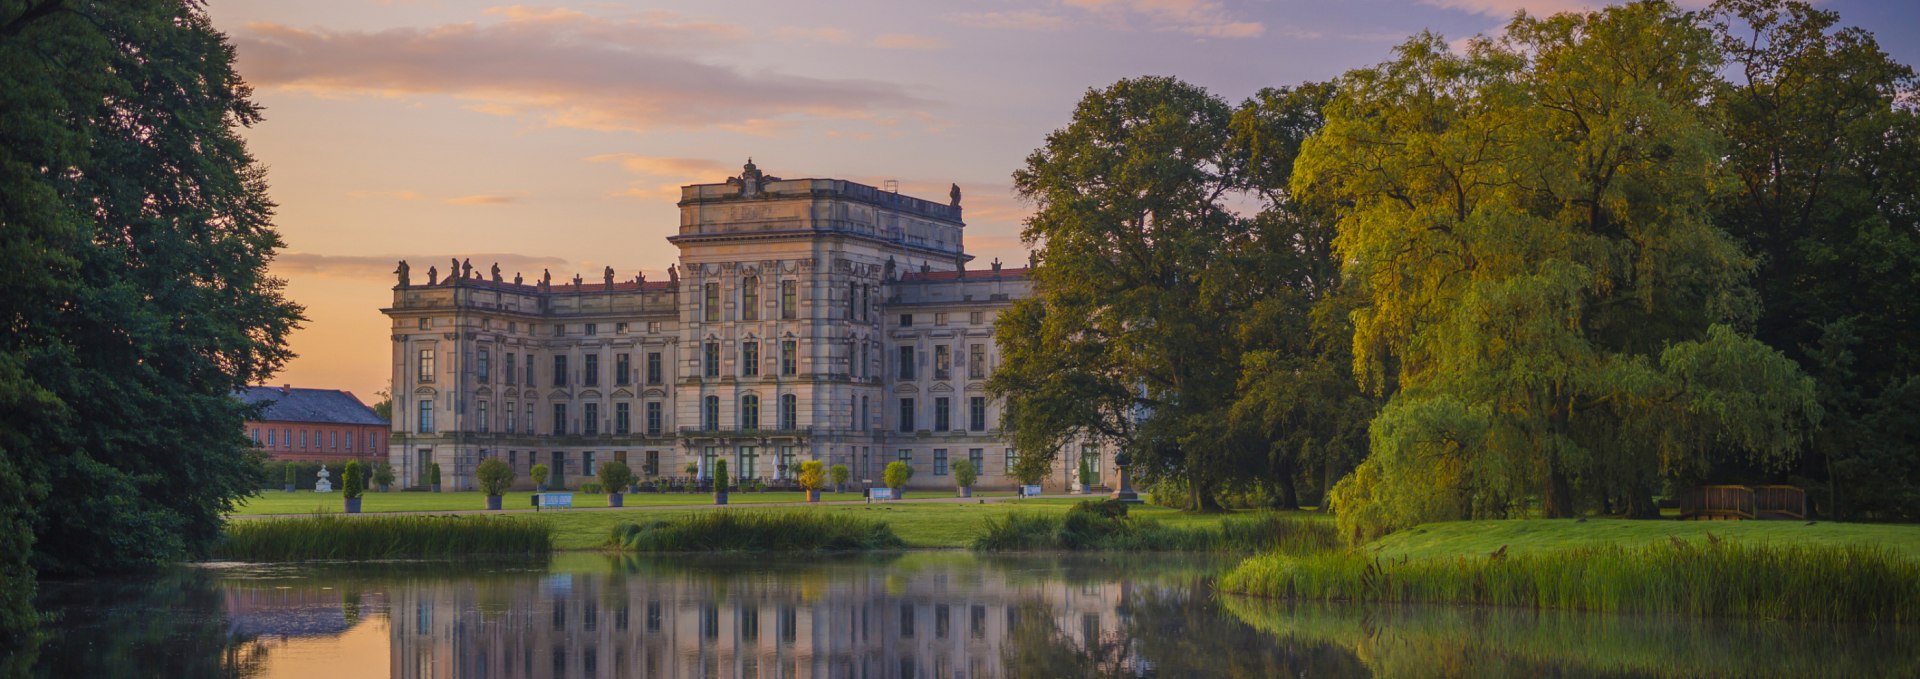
(805, 319)
(863, 623)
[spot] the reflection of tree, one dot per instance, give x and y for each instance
(1184, 632)
(175, 625)
(1037, 648)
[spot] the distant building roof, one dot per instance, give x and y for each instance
(319, 406)
(968, 275)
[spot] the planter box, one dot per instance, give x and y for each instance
(436, 487)
(289, 487)
(720, 498)
(616, 500)
(353, 505)
(966, 492)
(493, 502)
(813, 496)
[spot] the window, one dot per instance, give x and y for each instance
(853, 308)
(559, 419)
(865, 420)
(426, 417)
(620, 328)
(653, 327)
(513, 327)
(906, 416)
(481, 412)
(426, 323)
(333, 437)
(749, 412)
(512, 425)
(512, 375)
(789, 300)
(530, 418)
(940, 318)
(482, 366)
(789, 412)
(653, 367)
(906, 629)
(789, 357)
(559, 371)
(712, 302)
(906, 455)
(426, 365)
(942, 362)
(529, 381)
(977, 413)
(591, 368)
(710, 413)
(973, 317)
(977, 361)
(906, 363)
(622, 369)
(939, 462)
(785, 463)
(749, 466)
(593, 329)
(750, 359)
(750, 298)
(653, 418)
(978, 456)
(711, 364)
(559, 329)
(586, 461)
(590, 420)
(866, 293)
(906, 320)
(1013, 459)
(622, 418)
(942, 407)
(303, 438)
(271, 442)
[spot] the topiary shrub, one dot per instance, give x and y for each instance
(495, 476)
(615, 476)
(813, 475)
(433, 474)
(382, 475)
(964, 475)
(720, 476)
(896, 475)
(840, 474)
(353, 480)
(291, 476)
(539, 474)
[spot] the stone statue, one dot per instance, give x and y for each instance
(640, 277)
(433, 275)
(889, 267)
(546, 278)
(516, 278)
(925, 266)
(453, 270)
(576, 281)
(405, 274)
(496, 272)
(673, 273)
(466, 269)
(996, 265)
(323, 485)
(608, 274)
(954, 193)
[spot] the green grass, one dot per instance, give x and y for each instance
(304, 502)
(757, 531)
(1088, 530)
(382, 537)
(1479, 538)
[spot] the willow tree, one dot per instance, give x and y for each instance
(1543, 284)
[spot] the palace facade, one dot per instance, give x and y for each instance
(805, 319)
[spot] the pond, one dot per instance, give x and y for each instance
(918, 614)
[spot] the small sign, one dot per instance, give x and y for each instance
(881, 494)
(1029, 491)
(556, 500)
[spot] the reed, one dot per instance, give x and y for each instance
(1089, 531)
(382, 537)
(757, 531)
(1725, 578)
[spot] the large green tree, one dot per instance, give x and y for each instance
(1545, 289)
(1824, 147)
(134, 238)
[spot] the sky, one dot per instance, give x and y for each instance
(557, 136)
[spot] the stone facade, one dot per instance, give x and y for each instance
(805, 319)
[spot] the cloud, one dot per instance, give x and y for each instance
(664, 174)
(902, 41)
(1017, 20)
(395, 195)
(567, 68)
(481, 199)
(1504, 9)
(290, 264)
(1204, 18)
(823, 34)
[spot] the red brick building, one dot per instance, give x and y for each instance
(326, 425)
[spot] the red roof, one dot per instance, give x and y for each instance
(971, 275)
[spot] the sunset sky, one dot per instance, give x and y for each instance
(557, 136)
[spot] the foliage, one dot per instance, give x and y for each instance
(353, 480)
(381, 537)
(433, 473)
(840, 474)
(382, 474)
(964, 475)
(384, 406)
(495, 476)
(291, 478)
(1722, 578)
(616, 476)
(1086, 473)
(720, 480)
(736, 531)
(812, 474)
(593, 488)
(1547, 305)
(1096, 526)
(896, 474)
(539, 474)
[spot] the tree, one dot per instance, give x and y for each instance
(896, 475)
(433, 475)
(495, 476)
(539, 474)
(382, 475)
(840, 475)
(616, 476)
(720, 480)
(353, 480)
(1544, 290)
(813, 475)
(384, 406)
(964, 474)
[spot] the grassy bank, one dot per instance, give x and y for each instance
(1479, 538)
(750, 531)
(1807, 581)
(307, 502)
(382, 537)
(1096, 527)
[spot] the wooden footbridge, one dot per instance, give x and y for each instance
(1733, 503)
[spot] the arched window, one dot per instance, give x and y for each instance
(749, 412)
(750, 298)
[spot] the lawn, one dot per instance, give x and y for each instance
(1479, 538)
(305, 502)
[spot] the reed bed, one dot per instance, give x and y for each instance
(1804, 582)
(759, 531)
(1079, 530)
(382, 537)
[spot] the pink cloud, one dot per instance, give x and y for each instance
(901, 41)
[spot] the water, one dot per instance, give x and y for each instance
(924, 614)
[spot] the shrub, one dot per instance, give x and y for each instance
(692, 469)
(840, 474)
(759, 531)
(381, 537)
(494, 475)
(1086, 473)
(539, 474)
(896, 475)
(382, 474)
(1097, 526)
(964, 474)
(291, 479)
(720, 476)
(433, 473)
(812, 474)
(353, 481)
(616, 476)
(593, 488)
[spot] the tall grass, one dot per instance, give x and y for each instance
(759, 531)
(382, 537)
(1088, 531)
(1807, 582)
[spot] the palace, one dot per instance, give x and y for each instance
(806, 319)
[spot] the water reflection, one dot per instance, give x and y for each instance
(914, 615)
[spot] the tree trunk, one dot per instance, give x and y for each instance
(1289, 495)
(1203, 500)
(1557, 501)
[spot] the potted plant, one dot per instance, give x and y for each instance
(1086, 476)
(660, 485)
(616, 476)
(353, 482)
(495, 478)
(719, 482)
(813, 475)
(794, 470)
(896, 475)
(539, 474)
(383, 476)
(291, 474)
(693, 476)
(433, 476)
(963, 476)
(840, 473)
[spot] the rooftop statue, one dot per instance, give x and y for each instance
(404, 273)
(433, 275)
(954, 193)
(496, 272)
